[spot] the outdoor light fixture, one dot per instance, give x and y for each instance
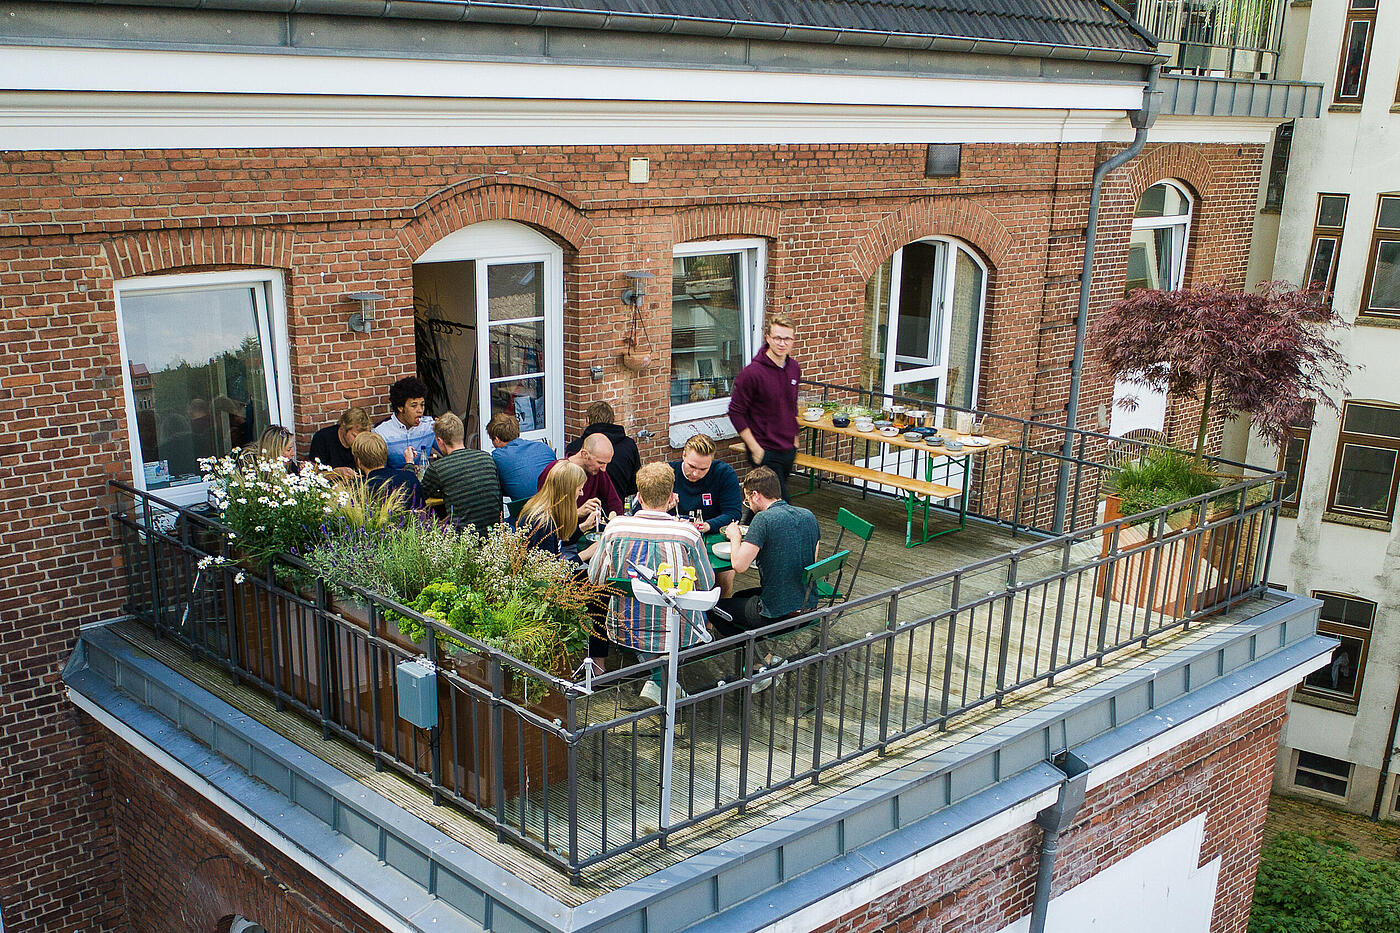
(361, 320)
(633, 296)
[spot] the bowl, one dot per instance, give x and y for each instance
(884, 423)
(913, 436)
(841, 421)
(814, 414)
(933, 440)
(890, 430)
(953, 445)
(865, 426)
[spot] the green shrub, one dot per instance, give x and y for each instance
(1161, 478)
(1308, 886)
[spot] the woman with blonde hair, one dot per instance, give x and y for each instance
(550, 518)
(275, 444)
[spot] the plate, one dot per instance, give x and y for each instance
(977, 442)
(722, 549)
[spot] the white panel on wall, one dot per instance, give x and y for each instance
(1157, 889)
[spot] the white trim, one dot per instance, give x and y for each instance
(753, 274)
(489, 239)
(83, 120)
(37, 68)
(871, 887)
(1193, 129)
(266, 832)
(268, 286)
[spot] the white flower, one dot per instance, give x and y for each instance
(238, 577)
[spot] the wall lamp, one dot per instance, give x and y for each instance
(634, 294)
(361, 320)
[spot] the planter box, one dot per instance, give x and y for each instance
(1195, 569)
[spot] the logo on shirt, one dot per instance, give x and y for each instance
(794, 382)
(706, 499)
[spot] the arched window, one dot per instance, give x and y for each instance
(929, 346)
(1157, 248)
(1156, 260)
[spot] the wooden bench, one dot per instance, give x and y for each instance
(916, 491)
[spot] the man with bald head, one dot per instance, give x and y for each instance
(598, 493)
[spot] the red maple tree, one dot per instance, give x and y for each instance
(1269, 354)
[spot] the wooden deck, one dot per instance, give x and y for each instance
(785, 731)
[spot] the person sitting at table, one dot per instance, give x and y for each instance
(331, 444)
(782, 541)
(708, 488)
(371, 459)
(464, 479)
(626, 461)
(276, 443)
(518, 461)
(649, 538)
(408, 432)
(598, 493)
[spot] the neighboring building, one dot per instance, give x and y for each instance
(241, 213)
(1339, 191)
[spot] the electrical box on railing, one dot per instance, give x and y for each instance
(417, 684)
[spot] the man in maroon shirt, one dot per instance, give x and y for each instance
(598, 493)
(763, 406)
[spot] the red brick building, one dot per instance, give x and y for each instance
(195, 203)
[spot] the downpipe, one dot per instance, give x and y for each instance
(1053, 821)
(1141, 120)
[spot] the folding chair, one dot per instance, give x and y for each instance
(513, 508)
(862, 529)
(819, 573)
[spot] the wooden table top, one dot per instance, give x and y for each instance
(824, 424)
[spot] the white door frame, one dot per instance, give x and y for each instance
(501, 242)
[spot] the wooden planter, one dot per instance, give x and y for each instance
(530, 757)
(1190, 567)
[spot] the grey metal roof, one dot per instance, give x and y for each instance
(1027, 27)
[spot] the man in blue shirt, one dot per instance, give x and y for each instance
(408, 432)
(707, 489)
(519, 461)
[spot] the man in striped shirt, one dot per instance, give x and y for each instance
(464, 479)
(649, 538)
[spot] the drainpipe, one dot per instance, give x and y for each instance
(1141, 119)
(1382, 783)
(1052, 821)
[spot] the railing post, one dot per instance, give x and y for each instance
(572, 740)
(745, 723)
(1059, 610)
(891, 620)
(273, 602)
(819, 725)
(1109, 569)
(954, 596)
(1003, 650)
(1020, 476)
(498, 774)
(157, 604)
(323, 628)
(375, 713)
(435, 733)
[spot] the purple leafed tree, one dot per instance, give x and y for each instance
(1267, 354)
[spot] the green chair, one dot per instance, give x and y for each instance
(513, 508)
(860, 528)
(814, 576)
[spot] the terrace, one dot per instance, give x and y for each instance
(561, 783)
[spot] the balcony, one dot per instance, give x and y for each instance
(561, 781)
(1215, 38)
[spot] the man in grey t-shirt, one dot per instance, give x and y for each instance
(782, 541)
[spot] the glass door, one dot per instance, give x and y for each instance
(522, 375)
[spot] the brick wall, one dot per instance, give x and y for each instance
(1224, 774)
(188, 866)
(337, 221)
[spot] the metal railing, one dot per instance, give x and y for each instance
(572, 774)
(1219, 38)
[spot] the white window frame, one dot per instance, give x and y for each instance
(752, 268)
(272, 333)
(1298, 766)
(1176, 220)
(503, 242)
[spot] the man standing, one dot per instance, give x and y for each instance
(408, 432)
(782, 540)
(597, 494)
(626, 461)
(464, 479)
(518, 460)
(763, 406)
(331, 444)
(650, 538)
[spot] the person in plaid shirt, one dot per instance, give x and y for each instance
(649, 538)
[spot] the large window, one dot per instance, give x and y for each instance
(1328, 222)
(1364, 473)
(1156, 260)
(1349, 620)
(1381, 293)
(1278, 167)
(206, 363)
(1320, 773)
(716, 316)
(1356, 52)
(1293, 460)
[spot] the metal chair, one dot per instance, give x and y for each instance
(513, 508)
(860, 528)
(815, 575)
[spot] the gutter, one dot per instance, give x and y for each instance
(541, 16)
(1053, 821)
(1142, 120)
